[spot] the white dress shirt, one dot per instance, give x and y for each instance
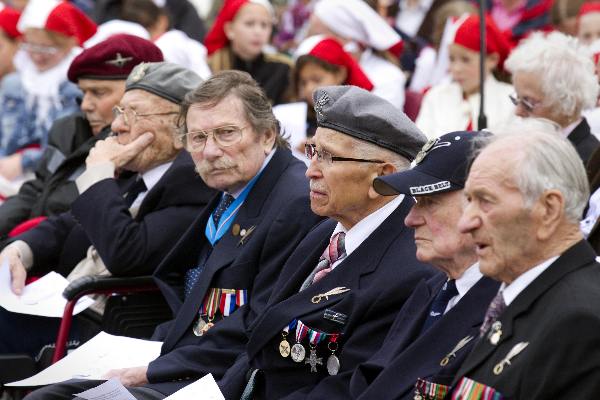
(510, 292)
(363, 229)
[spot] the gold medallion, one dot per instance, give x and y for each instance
(235, 230)
(284, 348)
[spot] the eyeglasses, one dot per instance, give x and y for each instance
(224, 136)
(528, 105)
(39, 48)
(310, 150)
(130, 116)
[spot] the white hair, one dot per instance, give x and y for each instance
(545, 160)
(372, 151)
(564, 67)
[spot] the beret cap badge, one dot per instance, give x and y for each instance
(119, 61)
(139, 72)
(424, 150)
(323, 100)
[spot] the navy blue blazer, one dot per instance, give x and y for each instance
(584, 141)
(558, 316)
(381, 274)
(407, 355)
(278, 206)
(129, 246)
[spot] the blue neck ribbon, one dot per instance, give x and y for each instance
(214, 233)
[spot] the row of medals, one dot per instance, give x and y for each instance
(297, 352)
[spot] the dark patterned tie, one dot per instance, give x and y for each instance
(439, 304)
(134, 191)
(192, 275)
(493, 312)
(335, 251)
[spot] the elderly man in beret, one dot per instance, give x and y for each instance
(339, 291)
(525, 194)
(438, 325)
(122, 227)
(100, 73)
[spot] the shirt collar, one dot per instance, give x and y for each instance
(264, 164)
(463, 284)
(510, 292)
(152, 176)
(359, 232)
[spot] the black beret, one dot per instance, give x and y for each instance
(113, 58)
(363, 115)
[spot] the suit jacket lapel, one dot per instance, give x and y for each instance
(574, 258)
(347, 274)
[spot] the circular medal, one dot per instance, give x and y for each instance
(235, 230)
(206, 327)
(333, 365)
(298, 352)
(284, 348)
(445, 361)
(198, 327)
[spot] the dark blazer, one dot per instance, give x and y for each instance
(279, 207)
(593, 170)
(128, 246)
(584, 141)
(53, 189)
(407, 355)
(558, 315)
(381, 274)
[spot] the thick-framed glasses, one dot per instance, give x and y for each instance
(528, 105)
(224, 136)
(39, 48)
(130, 116)
(310, 150)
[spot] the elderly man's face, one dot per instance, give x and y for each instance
(533, 103)
(434, 219)
(504, 231)
(340, 190)
(164, 147)
(228, 168)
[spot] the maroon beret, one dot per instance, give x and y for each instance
(113, 58)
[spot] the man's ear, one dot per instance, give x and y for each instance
(382, 169)
(549, 211)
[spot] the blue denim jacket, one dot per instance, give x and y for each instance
(18, 126)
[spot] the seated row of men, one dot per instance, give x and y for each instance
(339, 285)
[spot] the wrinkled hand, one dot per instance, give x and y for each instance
(10, 166)
(131, 377)
(18, 273)
(110, 149)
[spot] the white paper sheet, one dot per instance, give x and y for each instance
(109, 390)
(95, 358)
(292, 117)
(205, 389)
(42, 297)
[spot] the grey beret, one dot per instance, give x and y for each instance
(167, 80)
(363, 115)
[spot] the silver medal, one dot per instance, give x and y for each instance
(298, 353)
(333, 365)
(198, 327)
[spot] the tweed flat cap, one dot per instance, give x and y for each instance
(113, 58)
(167, 80)
(363, 115)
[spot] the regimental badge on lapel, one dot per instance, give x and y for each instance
(245, 234)
(463, 342)
(516, 350)
(335, 291)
